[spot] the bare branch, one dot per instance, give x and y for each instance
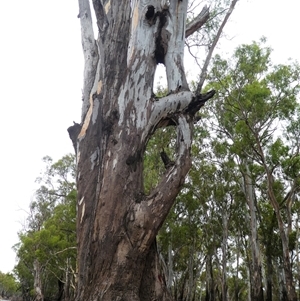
(211, 49)
(64, 250)
(198, 22)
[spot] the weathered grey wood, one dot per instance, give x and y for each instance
(90, 52)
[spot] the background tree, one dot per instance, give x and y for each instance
(226, 197)
(117, 222)
(8, 285)
(256, 99)
(47, 247)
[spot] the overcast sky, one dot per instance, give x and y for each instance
(41, 69)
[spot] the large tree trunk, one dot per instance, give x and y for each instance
(117, 223)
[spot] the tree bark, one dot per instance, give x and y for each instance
(269, 276)
(224, 285)
(38, 280)
(268, 240)
(210, 282)
(256, 269)
(116, 222)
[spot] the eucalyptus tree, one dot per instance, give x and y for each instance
(47, 247)
(8, 285)
(117, 222)
(257, 103)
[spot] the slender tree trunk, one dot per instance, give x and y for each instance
(269, 277)
(281, 283)
(256, 272)
(67, 285)
(116, 222)
(286, 262)
(60, 295)
(236, 282)
(268, 239)
(249, 283)
(297, 254)
(224, 254)
(284, 234)
(170, 267)
(210, 283)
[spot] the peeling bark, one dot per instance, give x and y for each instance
(116, 222)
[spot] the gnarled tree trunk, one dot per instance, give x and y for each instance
(117, 223)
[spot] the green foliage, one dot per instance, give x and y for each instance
(251, 127)
(50, 236)
(164, 139)
(8, 285)
(278, 151)
(256, 104)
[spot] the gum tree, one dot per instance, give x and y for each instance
(257, 112)
(117, 222)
